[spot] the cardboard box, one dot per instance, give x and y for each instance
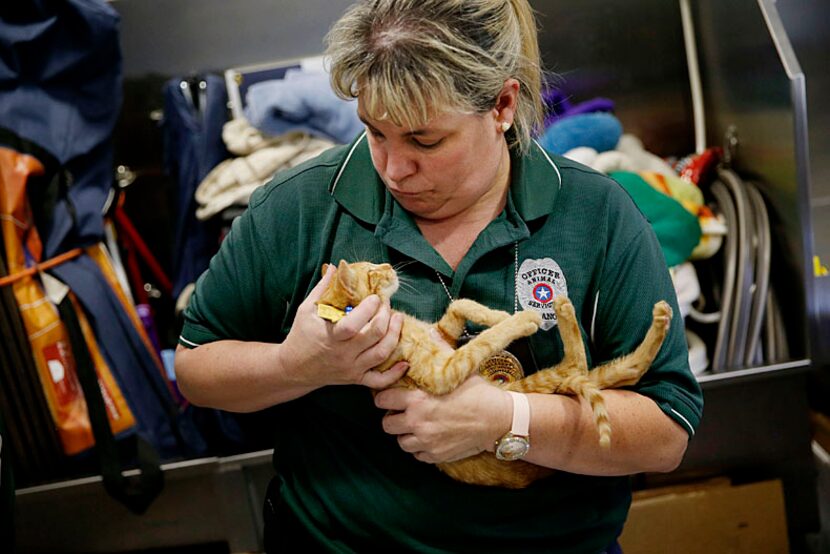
(708, 518)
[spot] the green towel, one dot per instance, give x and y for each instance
(677, 230)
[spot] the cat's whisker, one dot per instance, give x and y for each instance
(398, 267)
(408, 288)
(404, 284)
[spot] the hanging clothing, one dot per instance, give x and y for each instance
(258, 157)
(302, 101)
(60, 94)
(60, 88)
(139, 372)
(193, 145)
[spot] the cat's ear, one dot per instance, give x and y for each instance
(376, 277)
(345, 276)
(324, 269)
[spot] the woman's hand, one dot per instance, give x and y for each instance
(457, 425)
(317, 352)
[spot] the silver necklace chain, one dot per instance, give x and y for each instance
(515, 281)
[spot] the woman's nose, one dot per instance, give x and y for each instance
(398, 165)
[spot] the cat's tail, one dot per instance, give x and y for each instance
(558, 382)
(588, 390)
(583, 387)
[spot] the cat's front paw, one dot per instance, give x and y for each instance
(662, 314)
(530, 316)
(528, 321)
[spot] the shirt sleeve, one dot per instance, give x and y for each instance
(236, 298)
(634, 278)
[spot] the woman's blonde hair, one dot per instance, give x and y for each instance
(411, 59)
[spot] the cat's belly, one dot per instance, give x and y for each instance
(485, 469)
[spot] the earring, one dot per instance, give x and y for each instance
(505, 126)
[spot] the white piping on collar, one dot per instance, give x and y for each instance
(346, 162)
(553, 165)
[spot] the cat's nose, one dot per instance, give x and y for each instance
(385, 266)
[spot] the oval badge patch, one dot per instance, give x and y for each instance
(538, 283)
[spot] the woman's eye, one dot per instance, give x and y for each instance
(427, 145)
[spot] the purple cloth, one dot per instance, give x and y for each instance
(559, 106)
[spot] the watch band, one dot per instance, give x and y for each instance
(521, 414)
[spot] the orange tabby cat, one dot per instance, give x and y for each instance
(439, 371)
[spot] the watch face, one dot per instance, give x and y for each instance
(512, 447)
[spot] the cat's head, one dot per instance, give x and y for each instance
(352, 282)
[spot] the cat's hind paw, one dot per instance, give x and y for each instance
(564, 308)
(662, 314)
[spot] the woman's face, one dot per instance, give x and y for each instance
(445, 167)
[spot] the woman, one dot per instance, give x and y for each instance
(447, 179)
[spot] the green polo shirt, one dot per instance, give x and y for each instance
(348, 481)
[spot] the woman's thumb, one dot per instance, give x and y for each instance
(321, 286)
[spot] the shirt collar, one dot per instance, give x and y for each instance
(536, 181)
(357, 186)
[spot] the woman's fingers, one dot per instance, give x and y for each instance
(379, 349)
(357, 320)
(382, 380)
(410, 443)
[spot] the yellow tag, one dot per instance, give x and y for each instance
(818, 269)
(330, 313)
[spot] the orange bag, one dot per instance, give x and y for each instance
(47, 334)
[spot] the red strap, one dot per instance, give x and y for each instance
(130, 235)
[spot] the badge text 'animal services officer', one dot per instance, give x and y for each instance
(538, 283)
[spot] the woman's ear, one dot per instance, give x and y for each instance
(507, 101)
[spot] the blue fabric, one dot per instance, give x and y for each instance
(600, 131)
(60, 71)
(192, 147)
(302, 101)
(60, 88)
(132, 365)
